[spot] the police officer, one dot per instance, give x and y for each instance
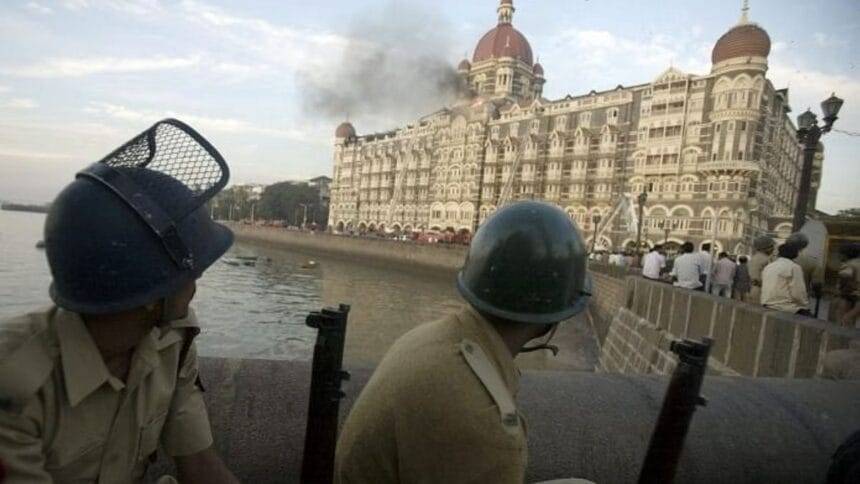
(90, 386)
(441, 406)
(763, 247)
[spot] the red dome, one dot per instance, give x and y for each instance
(538, 69)
(345, 130)
(503, 41)
(464, 65)
(743, 40)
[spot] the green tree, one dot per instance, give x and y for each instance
(236, 197)
(287, 201)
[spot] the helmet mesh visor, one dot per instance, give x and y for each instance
(176, 150)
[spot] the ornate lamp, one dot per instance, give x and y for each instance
(830, 108)
(806, 120)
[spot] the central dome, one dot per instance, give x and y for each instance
(503, 41)
(742, 40)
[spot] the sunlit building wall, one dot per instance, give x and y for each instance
(716, 153)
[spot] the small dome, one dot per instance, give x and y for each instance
(345, 130)
(465, 65)
(538, 69)
(503, 41)
(743, 40)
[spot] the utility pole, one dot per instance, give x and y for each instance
(643, 197)
(596, 221)
(305, 216)
(809, 134)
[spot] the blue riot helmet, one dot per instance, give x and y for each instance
(133, 228)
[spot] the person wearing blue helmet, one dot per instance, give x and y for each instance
(441, 406)
(91, 386)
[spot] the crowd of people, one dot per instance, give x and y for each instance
(783, 278)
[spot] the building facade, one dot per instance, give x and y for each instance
(716, 153)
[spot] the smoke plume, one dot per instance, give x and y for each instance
(395, 66)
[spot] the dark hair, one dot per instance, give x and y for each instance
(742, 259)
(687, 247)
(657, 248)
(706, 246)
(789, 251)
(723, 255)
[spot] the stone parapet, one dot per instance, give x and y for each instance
(748, 339)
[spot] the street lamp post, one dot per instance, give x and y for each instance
(808, 134)
(665, 226)
(596, 220)
(305, 215)
(643, 197)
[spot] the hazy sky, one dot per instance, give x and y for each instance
(79, 77)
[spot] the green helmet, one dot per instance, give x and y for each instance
(527, 263)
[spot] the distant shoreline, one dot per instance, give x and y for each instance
(18, 207)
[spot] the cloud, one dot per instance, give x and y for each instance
(297, 49)
(19, 103)
(80, 67)
(38, 8)
(204, 123)
(4, 88)
(599, 59)
(824, 40)
(134, 7)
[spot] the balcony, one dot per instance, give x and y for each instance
(553, 175)
(656, 169)
(729, 166)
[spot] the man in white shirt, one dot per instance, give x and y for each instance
(687, 268)
(783, 286)
(724, 274)
(653, 263)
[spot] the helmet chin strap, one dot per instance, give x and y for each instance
(545, 345)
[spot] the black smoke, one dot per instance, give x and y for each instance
(395, 66)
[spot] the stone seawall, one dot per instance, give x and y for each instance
(636, 318)
(588, 425)
(437, 257)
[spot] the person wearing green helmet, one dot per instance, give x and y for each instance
(441, 406)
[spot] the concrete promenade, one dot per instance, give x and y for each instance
(438, 257)
(582, 424)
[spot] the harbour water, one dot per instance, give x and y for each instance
(259, 311)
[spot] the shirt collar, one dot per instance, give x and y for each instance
(492, 342)
(84, 369)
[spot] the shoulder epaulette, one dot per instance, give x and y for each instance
(26, 367)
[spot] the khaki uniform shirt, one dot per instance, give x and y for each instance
(438, 409)
(65, 418)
